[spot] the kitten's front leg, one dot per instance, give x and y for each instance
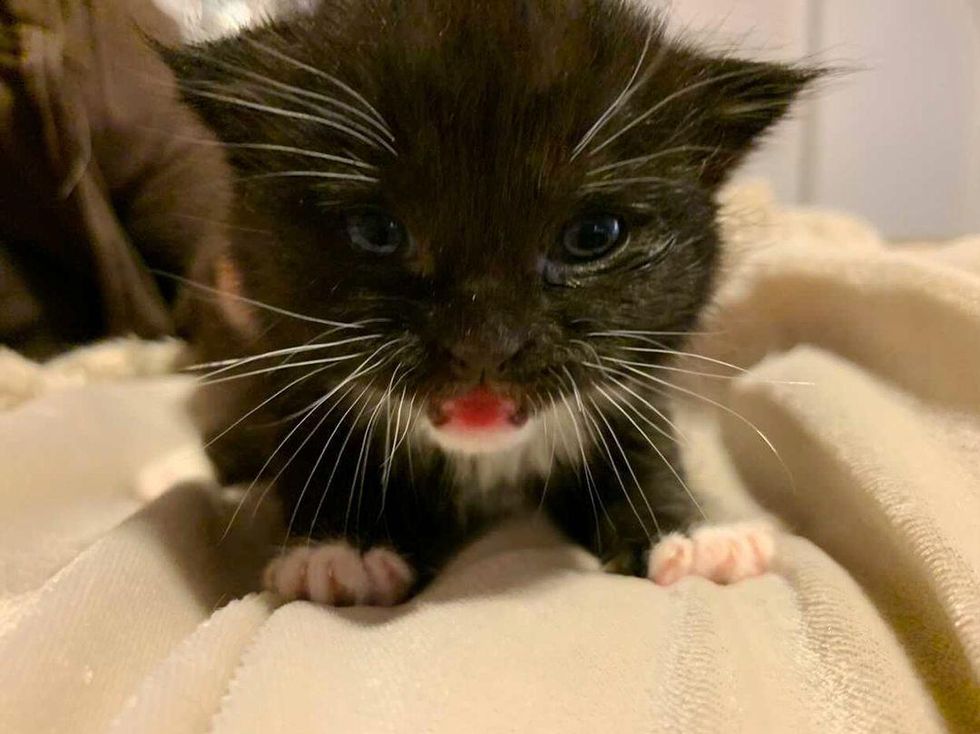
(374, 545)
(724, 553)
(656, 533)
(337, 573)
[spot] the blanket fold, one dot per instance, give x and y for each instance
(853, 416)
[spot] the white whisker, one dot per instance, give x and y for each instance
(629, 466)
(352, 161)
(309, 410)
(330, 175)
(691, 355)
(262, 94)
(635, 334)
(409, 419)
(336, 465)
(622, 98)
(608, 373)
(696, 373)
(261, 405)
(279, 392)
(273, 148)
(253, 302)
(316, 465)
(384, 360)
(277, 368)
(247, 73)
(575, 390)
(391, 447)
(615, 468)
(590, 485)
(725, 409)
(575, 425)
(359, 371)
(386, 402)
(362, 370)
(228, 364)
(553, 441)
(292, 114)
(387, 443)
(323, 75)
(633, 181)
(360, 467)
(654, 446)
(652, 157)
(664, 102)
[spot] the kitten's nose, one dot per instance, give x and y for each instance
(474, 359)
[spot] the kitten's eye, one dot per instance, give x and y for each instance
(592, 237)
(376, 232)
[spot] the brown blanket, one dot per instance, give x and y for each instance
(102, 174)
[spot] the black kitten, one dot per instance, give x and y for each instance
(465, 237)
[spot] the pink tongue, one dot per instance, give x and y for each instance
(479, 408)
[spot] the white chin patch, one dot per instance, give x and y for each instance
(491, 468)
(479, 443)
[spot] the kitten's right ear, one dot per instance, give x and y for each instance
(740, 101)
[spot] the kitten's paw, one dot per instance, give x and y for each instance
(722, 553)
(339, 575)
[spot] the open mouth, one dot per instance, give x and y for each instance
(480, 421)
(480, 409)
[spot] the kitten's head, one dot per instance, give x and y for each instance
(498, 207)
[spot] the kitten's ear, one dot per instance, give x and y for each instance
(741, 101)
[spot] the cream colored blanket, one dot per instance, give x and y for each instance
(862, 369)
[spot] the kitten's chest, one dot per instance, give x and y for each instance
(501, 484)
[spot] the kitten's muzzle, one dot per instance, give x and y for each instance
(480, 360)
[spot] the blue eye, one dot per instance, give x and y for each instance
(376, 232)
(592, 237)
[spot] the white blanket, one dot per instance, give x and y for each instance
(863, 370)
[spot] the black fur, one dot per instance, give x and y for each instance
(487, 104)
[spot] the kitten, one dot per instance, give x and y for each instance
(465, 238)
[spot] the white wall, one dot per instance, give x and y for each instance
(898, 139)
(762, 29)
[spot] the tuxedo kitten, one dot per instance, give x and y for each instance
(467, 239)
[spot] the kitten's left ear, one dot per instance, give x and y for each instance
(741, 101)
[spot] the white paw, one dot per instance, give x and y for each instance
(722, 553)
(340, 575)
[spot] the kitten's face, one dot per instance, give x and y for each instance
(504, 198)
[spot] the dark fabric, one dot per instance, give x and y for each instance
(104, 175)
